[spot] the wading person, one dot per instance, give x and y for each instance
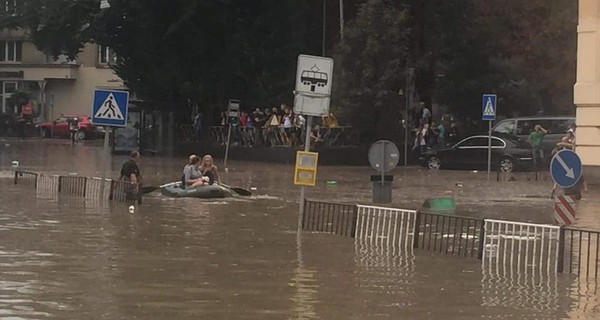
(536, 139)
(130, 172)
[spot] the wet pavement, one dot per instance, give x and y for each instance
(63, 258)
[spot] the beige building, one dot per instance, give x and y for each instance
(587, 88)
(56, 86)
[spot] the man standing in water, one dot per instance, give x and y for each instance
(131, 172)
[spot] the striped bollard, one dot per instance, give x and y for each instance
(564, 210)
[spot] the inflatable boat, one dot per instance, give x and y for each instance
(205, 192)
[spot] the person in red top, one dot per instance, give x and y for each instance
(244, 119)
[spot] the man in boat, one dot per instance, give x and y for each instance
(191, 175)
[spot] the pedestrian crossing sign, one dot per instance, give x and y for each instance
(488, 105)
(110, 108)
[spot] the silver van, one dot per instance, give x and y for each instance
(557, 126)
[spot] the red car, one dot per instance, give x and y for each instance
(60, 126)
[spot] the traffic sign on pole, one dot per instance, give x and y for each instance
(565, 168)
(110, 108)
(488, 107)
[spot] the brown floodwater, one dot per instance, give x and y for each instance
(240, 258)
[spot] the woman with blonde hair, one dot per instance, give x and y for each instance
(209, 170)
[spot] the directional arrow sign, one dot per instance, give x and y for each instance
(565, 168)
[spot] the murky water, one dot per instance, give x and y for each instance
(63, 258)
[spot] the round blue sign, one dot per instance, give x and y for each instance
(565, 168)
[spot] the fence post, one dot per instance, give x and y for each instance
(16, 177)
(354, 221)
(417, 230)
(139, 194)
(84, 186)
(303, 214)
(561, 250)
(60, 178)
(481, 240)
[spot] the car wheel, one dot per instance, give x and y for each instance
(506, 165)
(80, 135)
(45, 133)
(434, 163)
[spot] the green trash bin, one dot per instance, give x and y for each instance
(382, 192)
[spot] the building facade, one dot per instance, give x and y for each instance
(587, 88)
(55, 86)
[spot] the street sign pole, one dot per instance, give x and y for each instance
(489, 167)
(306, 148)
(227, 148)
(109, 108)
(106, 162)
(489, 109)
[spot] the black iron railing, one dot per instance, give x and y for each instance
(331, 218)
(579, 252)
(449, 234)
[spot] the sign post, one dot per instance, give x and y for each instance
(488, 106)
(109, 109)
(233, 116)
(566, 171)
(311, 98)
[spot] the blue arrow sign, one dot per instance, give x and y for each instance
(565, 168)
(488, 107)
(110, 108)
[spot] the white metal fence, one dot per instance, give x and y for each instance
(386, 228)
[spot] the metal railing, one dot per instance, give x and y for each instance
(273, 136)
(85, 187)
(579, 252)
(385, 227)
(446, 234)
(523, 176)
(530, 248)
(505, 247)
(331, 218)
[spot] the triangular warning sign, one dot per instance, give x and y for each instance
(489, 108)
(109, 109)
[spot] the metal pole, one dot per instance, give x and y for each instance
(342, 20)
(227, 149)
(489, 167)
(105, 162)
(306, 148)
(383, 163)
(406, 106)
(324, 27)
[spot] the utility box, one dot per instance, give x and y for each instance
(382, 192)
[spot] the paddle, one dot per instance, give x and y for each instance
(240, 191)
(149, 189)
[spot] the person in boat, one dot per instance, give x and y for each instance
(209, 170)
(191, 175)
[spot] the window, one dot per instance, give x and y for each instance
(106, 55)
(497, 143)
(11, 51)
(506, 126)
(474, 142)
(524, 127)
(9, 6)
(7, 89)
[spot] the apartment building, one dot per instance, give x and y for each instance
(55, 86)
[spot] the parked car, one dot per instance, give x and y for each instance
(509, 153)
(60, 126)
(557, 126)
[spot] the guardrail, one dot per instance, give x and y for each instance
(447, 234)
(85, 187)
(273, 136)
(503, 246)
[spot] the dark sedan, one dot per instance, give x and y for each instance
(509, 153)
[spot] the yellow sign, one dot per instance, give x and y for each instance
(305, 173)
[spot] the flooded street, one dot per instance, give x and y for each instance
(239, 258)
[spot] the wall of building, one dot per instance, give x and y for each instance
(587, 88)
(75, 97)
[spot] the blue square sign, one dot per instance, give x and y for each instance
(488, 107)
(110, 108)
